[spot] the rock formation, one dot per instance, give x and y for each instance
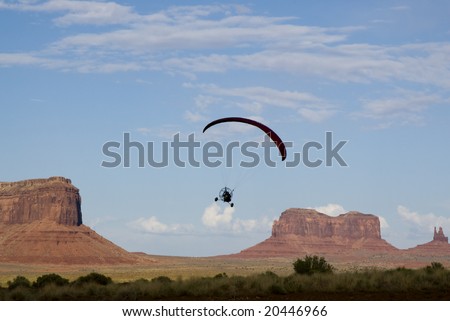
(306, 231)
(437, 247)
(54, 199)
(310, 223)
(41, 223)
(439, 236)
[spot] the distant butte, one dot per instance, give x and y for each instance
(438, 247)
(41, 222)
(306, 231)
(350, 237)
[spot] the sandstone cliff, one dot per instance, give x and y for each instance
(54, 199)
(305, 231)
(41, 223)
(308, 222)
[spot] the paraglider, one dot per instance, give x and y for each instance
(226, 194)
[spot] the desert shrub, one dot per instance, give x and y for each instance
(240, 282)
(20, 294)
(277, 289)
(162, 279)
(95, 278)
(48, 279)
(137, 290)
(271, 274)
(402, 269)
(312, 264)
(161, 287)
(293, 283)
(19, 281)
(256, 285)
(435, 266)
(220, 275)
(197, 287)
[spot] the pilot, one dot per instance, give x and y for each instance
(226, 196)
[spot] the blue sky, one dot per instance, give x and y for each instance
(77, 74)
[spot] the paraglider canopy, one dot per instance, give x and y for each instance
(269, 132)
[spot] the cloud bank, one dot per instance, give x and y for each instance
(154, 226)
(424, 222)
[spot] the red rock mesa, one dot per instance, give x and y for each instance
(41, 222)
(300, 232)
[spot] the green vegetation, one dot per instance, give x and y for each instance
(50, 279)
(435, 266)
(312, 264)
(429, 283)
(95, 278)
(19, 281)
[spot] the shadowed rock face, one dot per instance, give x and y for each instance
(54, 199)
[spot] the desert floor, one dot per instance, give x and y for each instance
(152, 266)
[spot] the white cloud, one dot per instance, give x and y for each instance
(214, 217)
(251, 106)
(79, 12)
(405, 108)
(166, 132)
(21, 59)
(264, 95)
(136, 38)
(173, 40)
(204, 101)
(153, 225)
(218, 219)
(330, 209)
(252, 225)
(194, 116)
(143, 81)
(108, 67)
(315, 115)
(79, 65)
(144, 130)
(362, 63)
(383, 222)
(189, 28)
(257, 98)
(400, 8)
(337, 209)
(426, 222)
(193, 28)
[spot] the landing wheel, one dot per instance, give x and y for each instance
(231, 204)
(216, 199)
